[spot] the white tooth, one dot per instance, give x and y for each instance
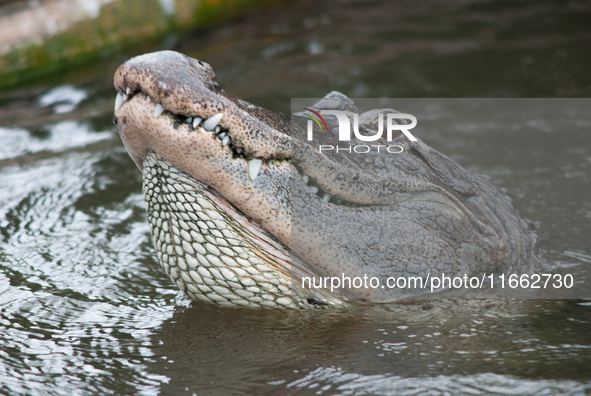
(217, 128)
(314, 189)
(306, 178)
(148, 99)
(118, 101)
(196, 122)
(222, 135)
(189, 120)
(158, 110)
(326, 198)
(226, 141)
(212, 122)
(127, 90)
(254, 166)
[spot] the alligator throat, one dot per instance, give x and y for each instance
(211, 250)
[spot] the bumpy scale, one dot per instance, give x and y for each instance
(202, 250)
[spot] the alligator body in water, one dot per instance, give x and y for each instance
(242, 208)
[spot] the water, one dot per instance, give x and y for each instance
(85, 308)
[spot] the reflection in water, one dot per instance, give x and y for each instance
(57, 137)
(69, 305)
(65, 98)
(85, 308)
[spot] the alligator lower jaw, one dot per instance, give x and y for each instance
(254, 185)
(196, 189)
(212, 251)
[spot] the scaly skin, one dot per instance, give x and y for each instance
(235, 238)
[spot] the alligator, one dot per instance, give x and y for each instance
(243, 209)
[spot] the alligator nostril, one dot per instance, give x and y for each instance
(115, 120)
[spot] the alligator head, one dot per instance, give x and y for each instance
(242, 208)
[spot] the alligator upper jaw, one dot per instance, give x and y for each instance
(157, 92)
(187, 87)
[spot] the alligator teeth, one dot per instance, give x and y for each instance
(196, 122)
(217, 129)
(314, 189)
(148, 99)
(189, 120)
(222, 135)
(226, 140)
(306, 178)
(127, 90)
(158, 110)
(254, 166)
(326, 198)
(119, 101)
(212, 122)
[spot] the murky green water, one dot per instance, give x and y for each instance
(85, 308)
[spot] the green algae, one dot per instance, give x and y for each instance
(119, 25)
